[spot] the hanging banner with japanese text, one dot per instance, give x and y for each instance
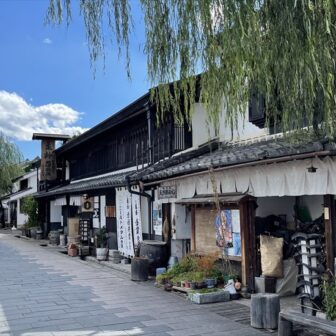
(136, 216)
(120, 221)
(128, 216)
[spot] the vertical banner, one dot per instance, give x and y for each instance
(128, 216)
(129, 226)
(136, 216)
(120, 221)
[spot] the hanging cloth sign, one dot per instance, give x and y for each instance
(136, 217)
(128, 216)
(120, 222)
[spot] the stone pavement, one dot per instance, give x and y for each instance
(46, 293)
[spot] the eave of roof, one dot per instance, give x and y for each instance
(230, 155)
(42, 136)
(117, 118)
(98, 183)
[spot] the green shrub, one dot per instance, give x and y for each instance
(29, 207)
(329, 298)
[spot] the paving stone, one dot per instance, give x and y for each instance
(45, 293)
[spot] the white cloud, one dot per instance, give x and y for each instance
(47, 40)
(19, 119)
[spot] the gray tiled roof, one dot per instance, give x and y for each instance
(103, 182)
(229, 155)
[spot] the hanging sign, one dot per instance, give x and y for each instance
(48, 169)
(167, 192)
(128, 216)
(120, 222)
(136, 217)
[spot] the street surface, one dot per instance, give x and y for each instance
(46, 293)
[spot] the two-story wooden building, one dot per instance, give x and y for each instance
(96, 164)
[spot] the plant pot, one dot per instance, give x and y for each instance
(210, 283)
(193, 285)
(183, 284)
(200, 284)
(101, 253)
(187, 284)
(72, 251)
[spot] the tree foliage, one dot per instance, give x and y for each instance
(10, 158)
(30, 208)
(284, 50)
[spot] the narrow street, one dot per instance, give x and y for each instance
(46, 293)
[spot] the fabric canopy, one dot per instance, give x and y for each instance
(290, 178)
(60, 201)
(75, 200)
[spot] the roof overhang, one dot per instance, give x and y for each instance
(42, 136)
(228, 199)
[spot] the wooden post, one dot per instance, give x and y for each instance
(193, 226)
(329, 215)
(248, 247)
(285, 328)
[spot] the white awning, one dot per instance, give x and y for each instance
(60, 201)
(76, 200)
(291, 178)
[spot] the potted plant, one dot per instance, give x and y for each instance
(72, 250)
(206, 264)
(199, 279)
(101, 249)
(29, 207)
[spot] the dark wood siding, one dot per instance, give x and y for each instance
(127, 146)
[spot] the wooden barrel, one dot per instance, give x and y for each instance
(54, 237)
(156, 253)
(139, 269)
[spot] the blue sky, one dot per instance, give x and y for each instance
(46, 82)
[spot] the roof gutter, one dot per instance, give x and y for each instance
(248, 164)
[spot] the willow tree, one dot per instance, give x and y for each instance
(284, 50)
(10, 158)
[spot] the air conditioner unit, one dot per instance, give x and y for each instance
(87, 204)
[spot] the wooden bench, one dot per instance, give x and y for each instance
(288, 317)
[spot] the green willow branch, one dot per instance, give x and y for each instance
(284, 50)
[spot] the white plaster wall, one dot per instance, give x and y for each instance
(55, 212)
(15, 187)
(67, 170)
(21, 218)
(144, 213)
(204, 131)
(32, 181)
(177, 248)
(182, 221)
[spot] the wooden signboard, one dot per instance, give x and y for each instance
(48, 160)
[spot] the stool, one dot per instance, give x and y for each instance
(265, 310)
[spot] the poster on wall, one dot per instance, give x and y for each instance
(227, 225)
(157, 218)
(136, 218)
